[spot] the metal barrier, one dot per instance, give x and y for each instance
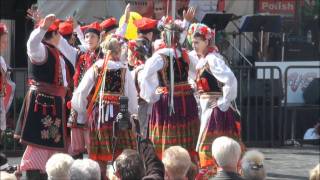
(259, 100)
(11, 146)
(294, 107)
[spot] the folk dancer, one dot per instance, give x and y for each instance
(42, 121)
(110, 79)
(165, 82)
(217, 87)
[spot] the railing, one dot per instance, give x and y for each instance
(294, 107)
(259, 100)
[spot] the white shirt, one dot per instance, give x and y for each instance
(37, 52)
(3, 64)
(79, 99)
(149, 78)
(310, 134)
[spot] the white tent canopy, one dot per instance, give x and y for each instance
(86, 9)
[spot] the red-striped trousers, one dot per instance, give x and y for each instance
(35, 158)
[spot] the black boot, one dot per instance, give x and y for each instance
(33, 175)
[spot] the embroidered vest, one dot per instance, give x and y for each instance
(180, 67)
(49, 71)
(206, 82)
(84, 61)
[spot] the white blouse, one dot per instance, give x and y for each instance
(149, 79)
(79, 100)
(222, 73)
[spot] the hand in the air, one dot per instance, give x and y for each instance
(48, 20)
(189, 14)
(127, 13)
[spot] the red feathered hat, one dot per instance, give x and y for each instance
(94, 28)
(145, 25)
(66, 28)
(109, 24)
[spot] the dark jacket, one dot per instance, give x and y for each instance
(154, 166)
(223, 175)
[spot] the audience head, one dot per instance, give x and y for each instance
(315, 173)
(85, 169)
(252, 165)
(129, 165)
(57, 167)
(226, 152)
(177, 162)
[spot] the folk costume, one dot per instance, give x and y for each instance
(140, 50)
(7, 87)
(217, 87)
(165, 82)
(110, 79)
(42, 121)
(84, 60)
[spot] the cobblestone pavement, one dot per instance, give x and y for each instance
(291, 163)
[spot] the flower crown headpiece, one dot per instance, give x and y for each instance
(202, 29)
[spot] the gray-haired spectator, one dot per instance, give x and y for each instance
(85, 169)
(7, 176)
(315, 173)
(226, 152)
(58, 165)
(176, 162)
(252, 165)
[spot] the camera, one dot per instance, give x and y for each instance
(123, 117)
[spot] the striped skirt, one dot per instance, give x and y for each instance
(220, 124)
(181, 128)
(35, 158)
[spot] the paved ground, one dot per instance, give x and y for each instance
(291, 163)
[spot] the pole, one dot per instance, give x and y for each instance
(282, 46)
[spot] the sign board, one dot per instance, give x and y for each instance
(297, 78)
(281, 7)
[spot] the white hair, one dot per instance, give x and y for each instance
(58, 165)
(176, 161)
(226, 151)
(85, 169)
(252, 165)
(7, 176)
(314, 174)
